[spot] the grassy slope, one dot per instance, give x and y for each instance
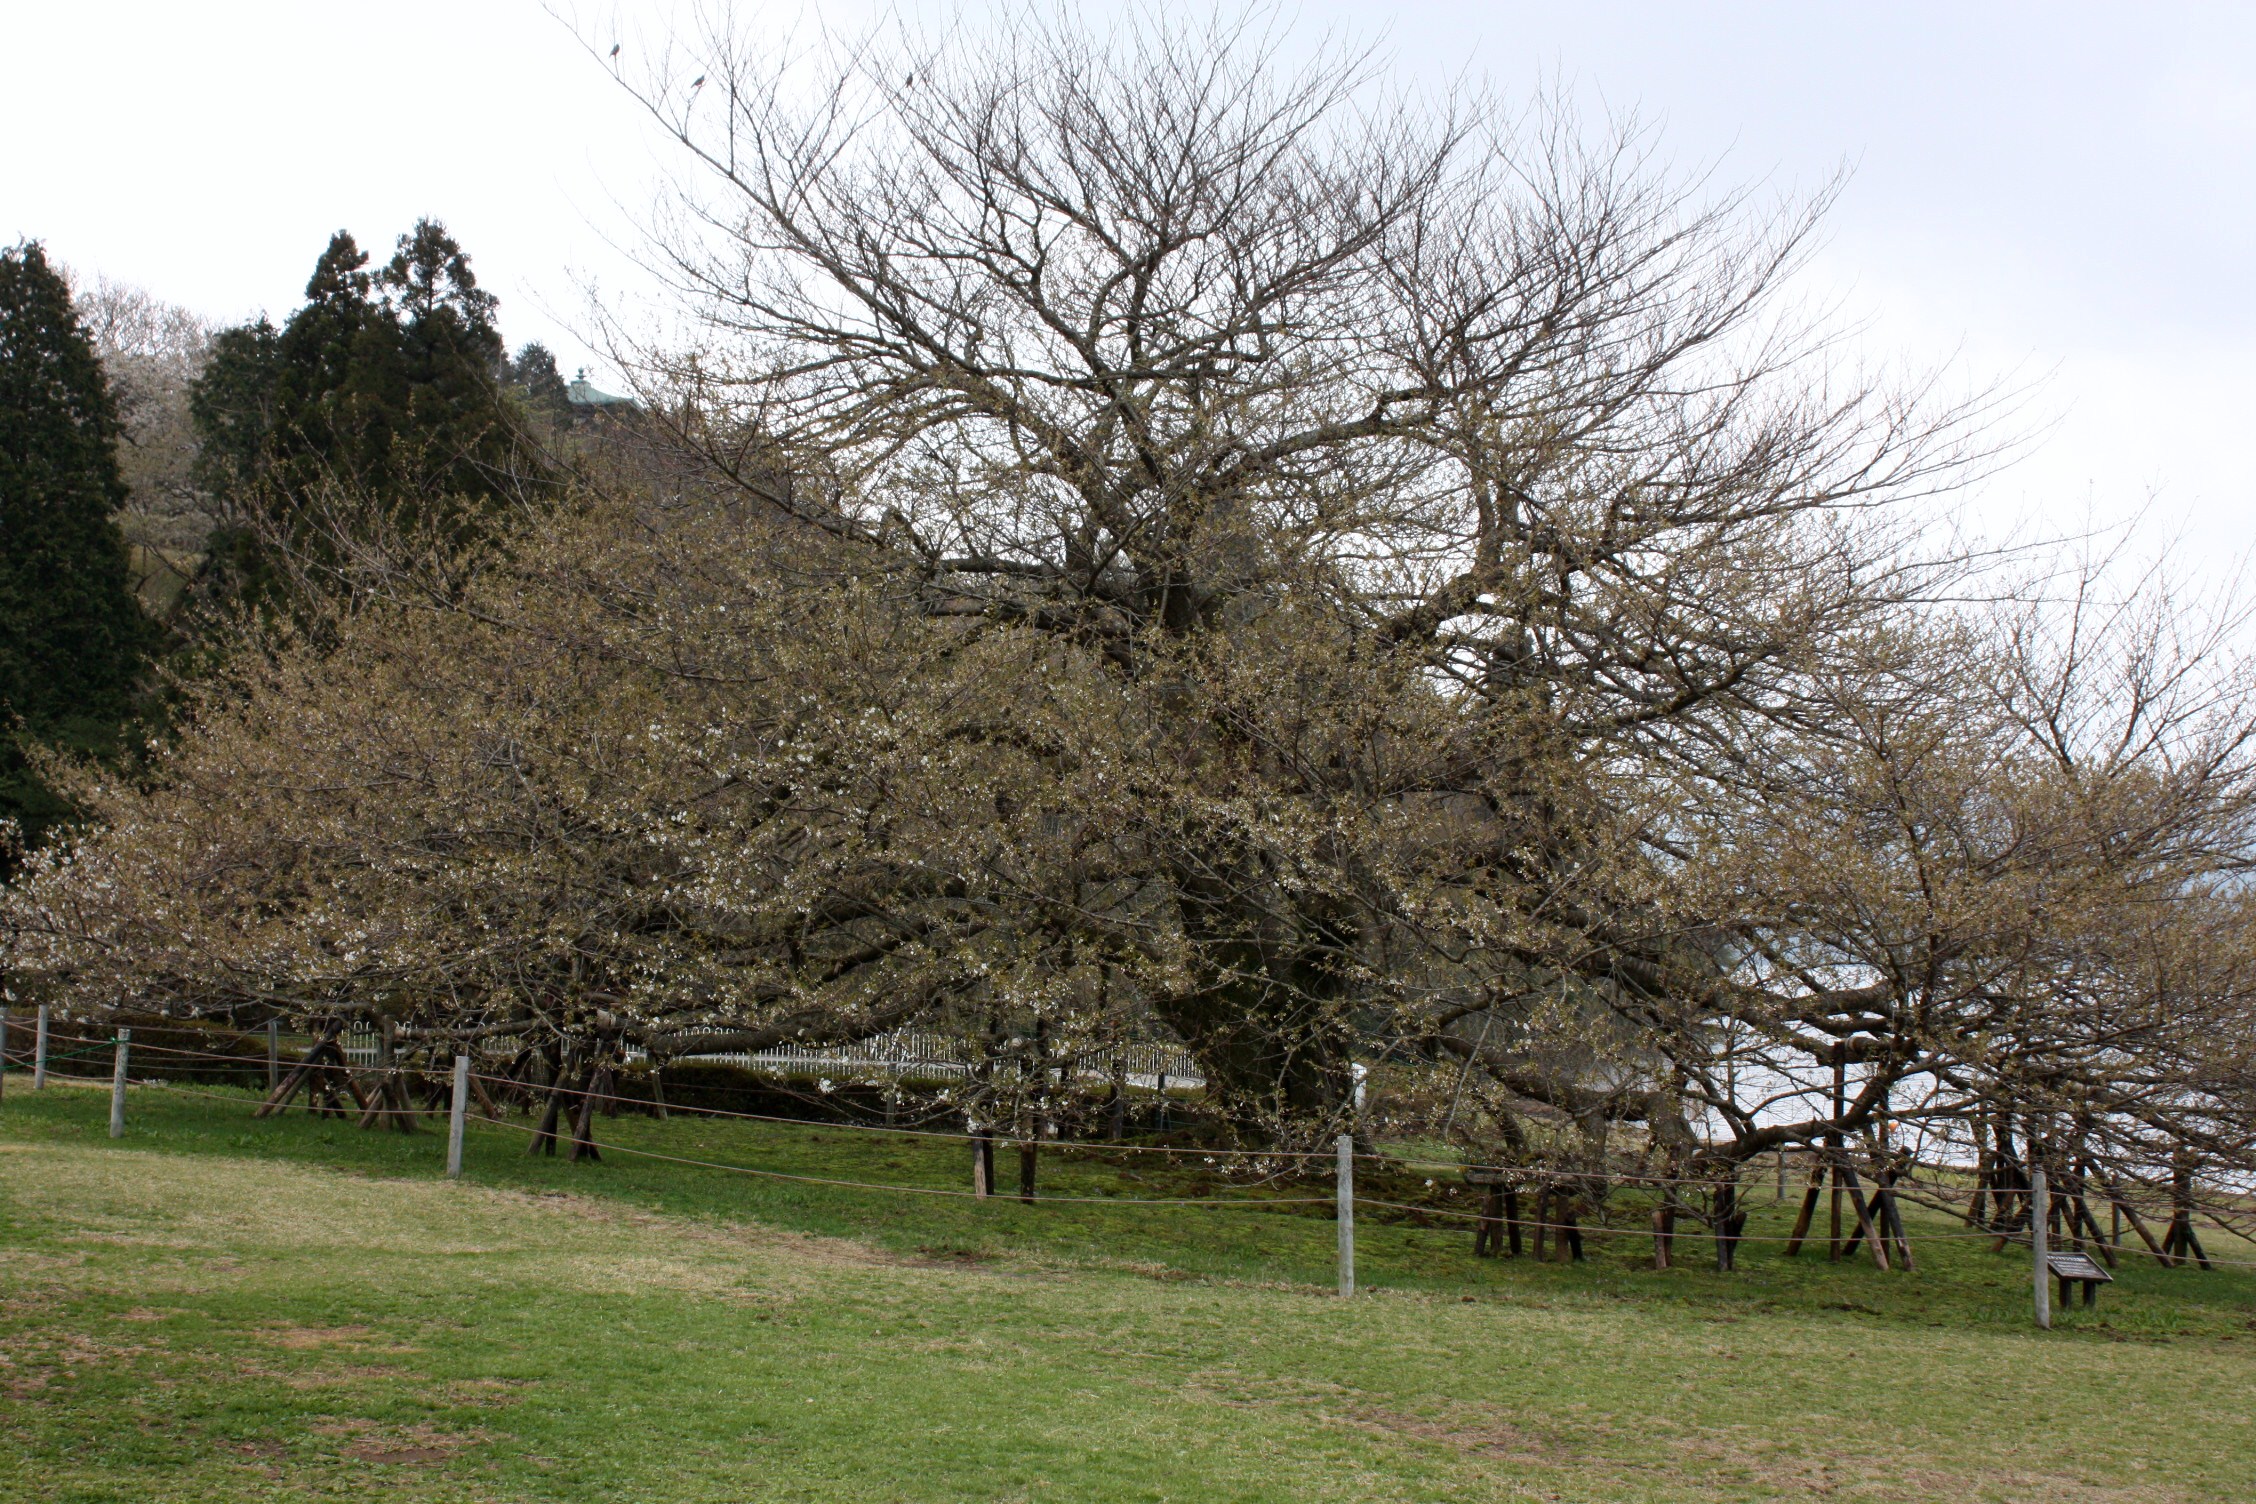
(211, 1310)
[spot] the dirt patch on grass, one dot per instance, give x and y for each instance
(1459, 1425)
(1824, 1474)
(299, 1338)
(1464, 1428)
(411, 1446)
(485, 1393)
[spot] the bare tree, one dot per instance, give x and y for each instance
(152, 352)
(1409, 462)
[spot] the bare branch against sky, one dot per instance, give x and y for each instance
(2064, 193)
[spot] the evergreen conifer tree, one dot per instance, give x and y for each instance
(72, 638)
(533, 377)
(386, 386)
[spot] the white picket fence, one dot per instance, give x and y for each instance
(905, 1053)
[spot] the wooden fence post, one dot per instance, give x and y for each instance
(454, 1116)
(2040, 1215)
(273, 1053)
(117, 1084)
(1346, 1179)
(39, 1053)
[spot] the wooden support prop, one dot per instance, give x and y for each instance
(1892, 1215)
(1568, 1245)
(1660, 1237)
(2129, 1213)
(273, 1053)
(2080, 1211)
(1542, 1250)
(1488, 1227)
(595, 1082)
(1884, 1207)
(487, 1107)
(300, 1075)
(1027, 1149)
(2181, 1240)
(3, 1042)
(1512, 1218)
(117, 1084)
(1846, 1176)
(39, 1052)
(1809, 1210)
(1728, 1221)
(544, 1135)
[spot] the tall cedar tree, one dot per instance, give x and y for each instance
(72, 639)
(384, 386)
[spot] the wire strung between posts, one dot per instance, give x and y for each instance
(1247, 1202)
(1597, 1229)
(1077, 1145)
(1532, 1178)
(141, 1048)
(189, 1091)
(1222, 1203)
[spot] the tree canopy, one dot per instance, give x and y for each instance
(72, 640)
(379, 402)
(1158, 541)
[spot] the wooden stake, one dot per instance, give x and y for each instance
(1345, 1189)
(273, 1053)
(39, 1052)
(454, 1116)
(117, 1084)
(2040, 1202)
(1833, 1142)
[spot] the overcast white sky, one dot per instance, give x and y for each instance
(2059, 191)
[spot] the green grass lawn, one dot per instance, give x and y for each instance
(219, 1309)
